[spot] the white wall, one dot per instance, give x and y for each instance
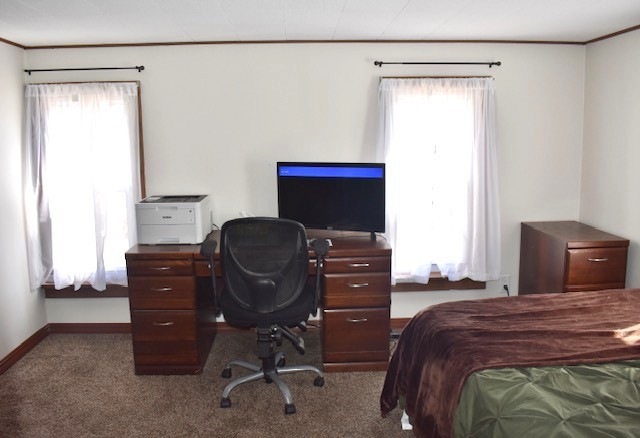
(217, 118)
(21, 311)
(610, 195)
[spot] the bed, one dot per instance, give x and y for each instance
(547, 365)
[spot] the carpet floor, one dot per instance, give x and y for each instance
(85, 386)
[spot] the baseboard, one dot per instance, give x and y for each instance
(222, 326)
(90, 328)
(397, 324)
(17, 354)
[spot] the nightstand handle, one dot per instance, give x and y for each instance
(358, 284)
(357, 320)
(163, 324)
(604, 259)
(161, 268)
(162, 289)
(358, 265)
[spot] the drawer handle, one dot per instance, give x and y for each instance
(163, 324)
(358, 285)
(358, 265)
(162, 289)
(603, 259)
(161, 268)
(356, 321)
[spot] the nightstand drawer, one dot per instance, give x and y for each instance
(356, 335)
(364, 290)
(593, 267)
(162, 293)
(357, 264)
(159, 267)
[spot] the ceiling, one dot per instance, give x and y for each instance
(78, 22)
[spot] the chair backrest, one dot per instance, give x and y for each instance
(265, 262)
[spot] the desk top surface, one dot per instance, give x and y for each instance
(344, 244)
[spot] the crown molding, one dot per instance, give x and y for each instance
(2, 40)
(195, 43)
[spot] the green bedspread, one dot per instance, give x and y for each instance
(554, 401)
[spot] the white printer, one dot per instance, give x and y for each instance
(173, 219)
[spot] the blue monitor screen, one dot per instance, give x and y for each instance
(333, 196)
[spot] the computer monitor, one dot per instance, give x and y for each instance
(333, 196)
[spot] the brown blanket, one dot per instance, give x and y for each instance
(444, 344)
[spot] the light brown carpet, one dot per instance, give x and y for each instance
(84, 386)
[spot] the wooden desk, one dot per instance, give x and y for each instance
(173, 314)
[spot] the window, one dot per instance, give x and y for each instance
(437, 138)
(82, 179)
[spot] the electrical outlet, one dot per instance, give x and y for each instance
(505, 285)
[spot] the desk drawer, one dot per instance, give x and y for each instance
(163, 325)
(364, 290)
(159, 267)
(596, 268)
(164, 338)
(202, 268)
(162, 293)
(165, 353)
(356, 335)
(357, 264)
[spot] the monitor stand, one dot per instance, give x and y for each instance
(373, 236)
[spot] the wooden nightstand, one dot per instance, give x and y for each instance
(569, 256)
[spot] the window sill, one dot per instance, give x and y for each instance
(86, 291)
(439, 283)
(436, 283)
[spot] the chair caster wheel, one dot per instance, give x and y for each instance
(225, 402)
(289, 409)
(318, 381)
(282, 362)
(226, 373)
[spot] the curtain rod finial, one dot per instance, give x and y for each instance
(378, 63)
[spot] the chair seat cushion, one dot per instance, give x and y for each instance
(293, 314)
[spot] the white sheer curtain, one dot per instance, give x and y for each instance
(437, 138)
(81, 181)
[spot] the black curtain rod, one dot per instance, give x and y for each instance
(490, 64)
(138, 67)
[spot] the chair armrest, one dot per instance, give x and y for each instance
(208, 249)
(320, 248)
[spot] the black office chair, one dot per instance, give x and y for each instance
(265, 265)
